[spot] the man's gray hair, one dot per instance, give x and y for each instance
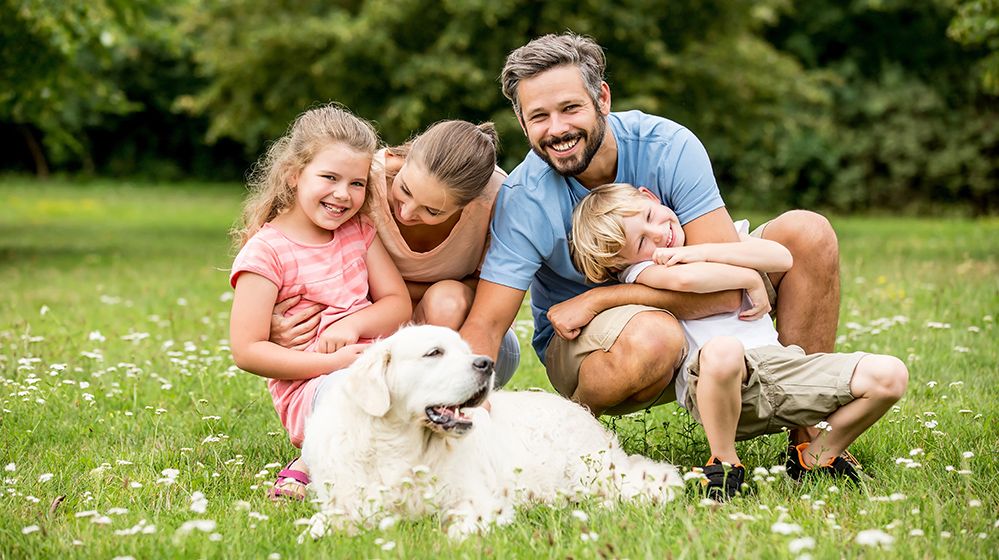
(551, 51)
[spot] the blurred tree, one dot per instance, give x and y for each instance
(977, 24)
(56, 64)
(911, 126)
(408, 63)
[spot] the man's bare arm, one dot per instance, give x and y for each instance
(493, 310)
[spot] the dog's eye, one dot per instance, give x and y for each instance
(434, 353)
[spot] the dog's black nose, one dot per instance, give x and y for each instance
(483, 364)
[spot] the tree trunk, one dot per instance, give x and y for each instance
(41, 166)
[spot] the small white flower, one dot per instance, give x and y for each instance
(96, 336)
(274, 556)
(45, 477)
(931, 424)
(11, 467)
(916, 533)
(117, 511)
(797, 545)
(203, 525)
(88, 513)
(782, 528)
(388, 545)
(916, 451)
(945, 534)
(30, 529)
(874, 537)
(967, 454)
(974, 503)
(215, 537)
(580, 515)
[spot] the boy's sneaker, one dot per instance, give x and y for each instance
(845, 455)
(724, 480)
(839, 466)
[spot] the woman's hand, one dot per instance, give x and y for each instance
(760, 300)
(297, 330)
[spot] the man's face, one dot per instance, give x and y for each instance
(561, 122)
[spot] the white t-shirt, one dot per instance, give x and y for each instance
(752, 334)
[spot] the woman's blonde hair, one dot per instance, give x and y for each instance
(598, 229)
(270, 178)
(459, 154)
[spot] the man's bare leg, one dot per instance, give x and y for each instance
(638, 366)
(808, 294)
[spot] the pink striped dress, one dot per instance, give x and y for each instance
(333, 274)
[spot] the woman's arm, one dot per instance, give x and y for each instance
(249, 328)
(390, 309)
(758, 254)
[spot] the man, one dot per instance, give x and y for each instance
(614, 348)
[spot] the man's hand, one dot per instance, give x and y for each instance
(335, 337)
(760, 300)
(297, 330)
(570, 316)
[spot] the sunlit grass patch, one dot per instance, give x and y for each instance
(125, 430)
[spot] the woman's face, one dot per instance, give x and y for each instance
(417, 197)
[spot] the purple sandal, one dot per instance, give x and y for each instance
(276, 493)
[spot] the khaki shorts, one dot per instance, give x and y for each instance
(563, 357)
(771, 291)
(786, 388)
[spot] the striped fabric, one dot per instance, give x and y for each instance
(333, 274)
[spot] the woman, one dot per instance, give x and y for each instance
(431, 200)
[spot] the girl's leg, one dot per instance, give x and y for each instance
(721, 374)
(446, 304)
(878, 383)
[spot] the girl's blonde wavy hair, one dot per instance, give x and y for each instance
(269, 180)
(598, 230)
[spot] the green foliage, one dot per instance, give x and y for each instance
(977, 24)
(821, 103)
(57, 61)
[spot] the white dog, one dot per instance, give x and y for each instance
(401, 434)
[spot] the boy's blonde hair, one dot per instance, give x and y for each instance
(598, 230)
(270, 178)
(459, 154)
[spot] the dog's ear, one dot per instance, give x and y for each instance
(367, 384)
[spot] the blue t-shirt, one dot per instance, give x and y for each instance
(533, 215)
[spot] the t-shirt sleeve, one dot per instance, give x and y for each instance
(630, 275)
(258, 257)
(694, 189)
(517, 239)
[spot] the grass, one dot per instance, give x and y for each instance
(114, 368)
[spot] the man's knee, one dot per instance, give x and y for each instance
(808, 235)
(653, 339)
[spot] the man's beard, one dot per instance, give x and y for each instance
(578, 164)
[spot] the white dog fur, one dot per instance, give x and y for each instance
(374, 452)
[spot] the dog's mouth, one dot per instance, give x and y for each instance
(450, 418)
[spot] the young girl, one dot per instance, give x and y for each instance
(431, 200)
(303, 234)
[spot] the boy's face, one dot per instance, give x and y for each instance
(653, 227)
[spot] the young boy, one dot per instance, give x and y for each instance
(737, 380)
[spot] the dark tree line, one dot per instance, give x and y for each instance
(820, 103)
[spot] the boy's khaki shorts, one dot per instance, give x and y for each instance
(563, 357)
(785, 388)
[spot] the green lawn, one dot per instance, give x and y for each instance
(114, 369)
